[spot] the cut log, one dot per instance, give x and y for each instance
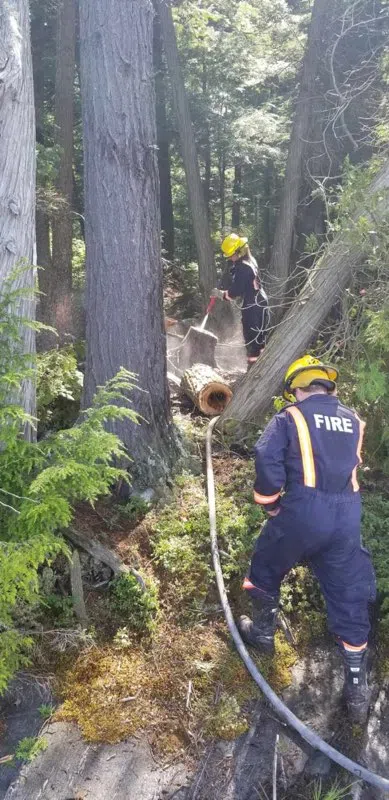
(208, 390)
(101, 553)
(198, 347)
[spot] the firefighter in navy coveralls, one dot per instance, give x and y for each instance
(306, 465)
(245, 283)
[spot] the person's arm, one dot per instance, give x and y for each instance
(238, 283)
(270, 453)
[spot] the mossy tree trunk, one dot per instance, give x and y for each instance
(125, 326)
(17, 164)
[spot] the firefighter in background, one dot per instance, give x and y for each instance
(306, 464)
(245, 283)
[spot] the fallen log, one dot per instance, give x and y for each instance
(326, 282)
(101, 553)
(208, 390)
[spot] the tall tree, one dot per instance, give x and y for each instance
(125, 326)
(17, 162)
(64, 120)
(283, 237)
(202, 233)
(163, 139)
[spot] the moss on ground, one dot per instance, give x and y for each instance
(182, 681)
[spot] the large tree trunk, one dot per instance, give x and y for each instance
(125, 326)
(17, 164)
(222, 191)
(64, 119)
(207, 268)
(40, 31)
(236, 197)
(326, 282)
(163, 139)
(283, 236)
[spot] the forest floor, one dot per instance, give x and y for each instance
(172, 713)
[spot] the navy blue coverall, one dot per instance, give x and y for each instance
(310, 451)
(245, 283)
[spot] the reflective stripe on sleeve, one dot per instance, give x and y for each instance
(354, 479)
(305, 446)
(264, 499)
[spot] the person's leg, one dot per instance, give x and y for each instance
(347, 580)
(253, 350)
(277, 550)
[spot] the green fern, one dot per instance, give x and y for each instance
(40, 483)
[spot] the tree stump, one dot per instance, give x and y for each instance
(197, 347)
(208, 390)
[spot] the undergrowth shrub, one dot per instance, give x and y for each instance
(137, 607)
(375, 531)
(59, 386)
(40, 483)
(30, 747)
(180, 540)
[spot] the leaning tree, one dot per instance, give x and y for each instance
(122, 224)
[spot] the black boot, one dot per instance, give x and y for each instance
(356, 691)
(259, 632)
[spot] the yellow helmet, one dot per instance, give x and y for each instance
(232, 243)
(303, 372)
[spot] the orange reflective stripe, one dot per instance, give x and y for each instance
(264, 499)
(354, 648)
(305, 446)
(354, 479)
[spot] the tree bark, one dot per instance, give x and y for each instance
(283, 236)
(209, 392)
(202, 233)
(124, 304)
(64, 118)
(326, 282)
(222, 191)
(17, 165)
(40, 32)
(207, 142)
(163, 139)
(236, 197)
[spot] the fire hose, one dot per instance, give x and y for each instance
(283, 712)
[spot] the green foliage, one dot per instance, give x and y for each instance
(59, 388)
(136, 606)
(46, 710)
(375, 528)
(180, 538)
(30, 747)
(335, 792)
(78, 263)
(365, 380)
(41, 483)
(240, 61)
(59, 610)
(135, 509)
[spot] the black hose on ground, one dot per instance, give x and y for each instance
(282, 710)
